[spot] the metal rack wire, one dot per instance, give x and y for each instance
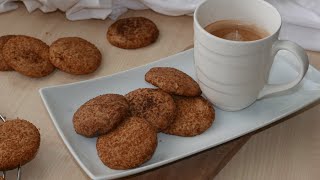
(3, 118)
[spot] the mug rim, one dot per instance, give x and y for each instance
(213, 37)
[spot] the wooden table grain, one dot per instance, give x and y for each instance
(290, 150)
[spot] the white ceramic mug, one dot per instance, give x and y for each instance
(234, 74)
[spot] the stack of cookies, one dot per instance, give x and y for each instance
(34, 58)
(193, 114)
(127, 126)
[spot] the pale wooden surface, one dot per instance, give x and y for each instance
(290, 150)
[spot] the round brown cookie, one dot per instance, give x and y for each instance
(154, 105)
(3, 65)
(132, 33)
(173, 81)
(28, 56)
(19, 143)
(100, 114)
(194, 116)
(131, 144)
(75, 55)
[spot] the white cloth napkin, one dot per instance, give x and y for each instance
(301, 18)
(75, 9)
(301, 21)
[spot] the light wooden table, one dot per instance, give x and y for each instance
(290, 150)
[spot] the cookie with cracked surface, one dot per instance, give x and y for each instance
(28, 56)
(132, 33)
(173, 81)
(75, 55)
(3, 65)
(19, 143)
(154, 105)
(194, 116)
(100, 115)
(131, 144)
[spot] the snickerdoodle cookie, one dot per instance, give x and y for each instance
(173, 81)
(194, 116)
(28, 56)
(19, 143)
(132, 33)
(75, 55)
(155, 105)
(131, 144)
(100, 115)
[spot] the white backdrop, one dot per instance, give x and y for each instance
(301, 18)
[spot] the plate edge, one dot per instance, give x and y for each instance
(61, 134)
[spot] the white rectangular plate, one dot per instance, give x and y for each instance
(62, 101)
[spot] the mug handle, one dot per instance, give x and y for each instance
(302, 58)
